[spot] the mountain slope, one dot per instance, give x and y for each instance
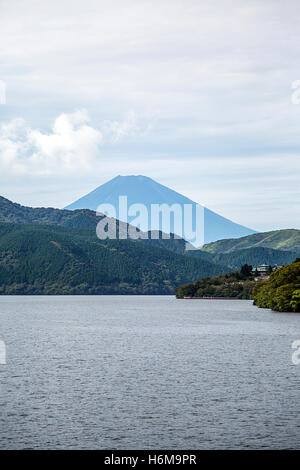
(11, 212)
(16, 213)
(143, 190)
(41, 259)
(284, 240)
(252, 256)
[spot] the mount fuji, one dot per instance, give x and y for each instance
(144, 190)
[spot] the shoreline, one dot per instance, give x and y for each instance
(213, 298)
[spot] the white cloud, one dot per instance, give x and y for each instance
(72, 146)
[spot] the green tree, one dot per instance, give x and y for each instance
(295, 302)
(282, 291)
(246, 270)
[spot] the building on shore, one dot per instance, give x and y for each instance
(265, 269)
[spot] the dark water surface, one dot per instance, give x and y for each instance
(125, 372)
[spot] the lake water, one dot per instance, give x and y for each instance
(147, 372)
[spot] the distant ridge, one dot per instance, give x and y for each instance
(144, 190)
(283, 240)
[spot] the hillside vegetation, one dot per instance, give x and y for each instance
(252, 256)
(41, 259)
(233, 256)
(53, 251)
(11, 212)
(238, 285)
(284, 240)
(282, 291)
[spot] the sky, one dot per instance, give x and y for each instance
(201, 95)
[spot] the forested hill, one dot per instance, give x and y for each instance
(11, 212)
(16, 213)
(252, 256)
(284, 240)
(235, 285)
(80, 226)
(282, 291)
(44, 259)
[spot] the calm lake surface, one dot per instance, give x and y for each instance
(152, 372)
